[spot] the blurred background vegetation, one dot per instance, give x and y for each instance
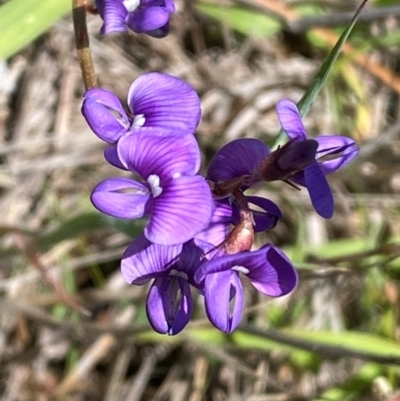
(71, 329)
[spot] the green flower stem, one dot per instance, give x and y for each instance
(82, 44)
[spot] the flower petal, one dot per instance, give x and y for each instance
(169, 305)
(145, 19)
(143, 260)
(263, 220)
(159, 33)
(109, 197)
(113, 13)
(182, 210)
(165, 102)
(220, 290)
(290, 119)
(271, 272)
(318, 188)
(332, 145)
(157, 152)
(99, 108)
(237, 158)
(217, 230)
(111, 155)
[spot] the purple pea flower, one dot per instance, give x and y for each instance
(313, 175)
(268, 270)
(238, 159)
(169, 301)
(141, 16)
(177, 201)
(155, 100)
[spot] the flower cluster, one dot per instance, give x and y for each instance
(200, 230)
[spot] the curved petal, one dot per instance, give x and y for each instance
(217, 231)
(344, 147)
(111, 155)
(181, 211)
(263, 220)
(113, 13)
(189, 260)
(143, 260)
(99, 108)
(170, 5)
(290, 119)
(165, 102)
(169, 305)
(145, 19)
(271, 272)
(159, 33)
(111, 197)
(220, 290)
(237, 158)
(319, 191)
(167, 156)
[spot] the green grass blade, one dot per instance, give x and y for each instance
(22, 21)
(320, 78)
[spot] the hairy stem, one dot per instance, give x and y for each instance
(82, 44)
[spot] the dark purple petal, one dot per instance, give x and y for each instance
(121, 197)
(318, 188)
(169, 305)
(145, 19)
(344, 147)
(271, 272)
(143, 260)
(189, 260)
(268, 268)
(159, 33)
(224, 300)
(99, 108)
(165, 102)
(164, 155)
(290, 119)
(297, 154)
(111, 155)
(181, 211)
(263, 220)
(113, 13)
(237, 158)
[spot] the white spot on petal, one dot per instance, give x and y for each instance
(176, 175)
(154, 182)
(139, 120)
(241, 269)
(131, 5)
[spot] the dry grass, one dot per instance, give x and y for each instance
(68, 322)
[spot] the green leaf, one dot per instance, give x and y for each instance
(245, 21)
(22, 21)
(353, 340)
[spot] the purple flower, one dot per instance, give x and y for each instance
(268, 270)
(313, 175)
(169, 301)
(236, 161)
(177, 201)
(141, 16)
(155, 100)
